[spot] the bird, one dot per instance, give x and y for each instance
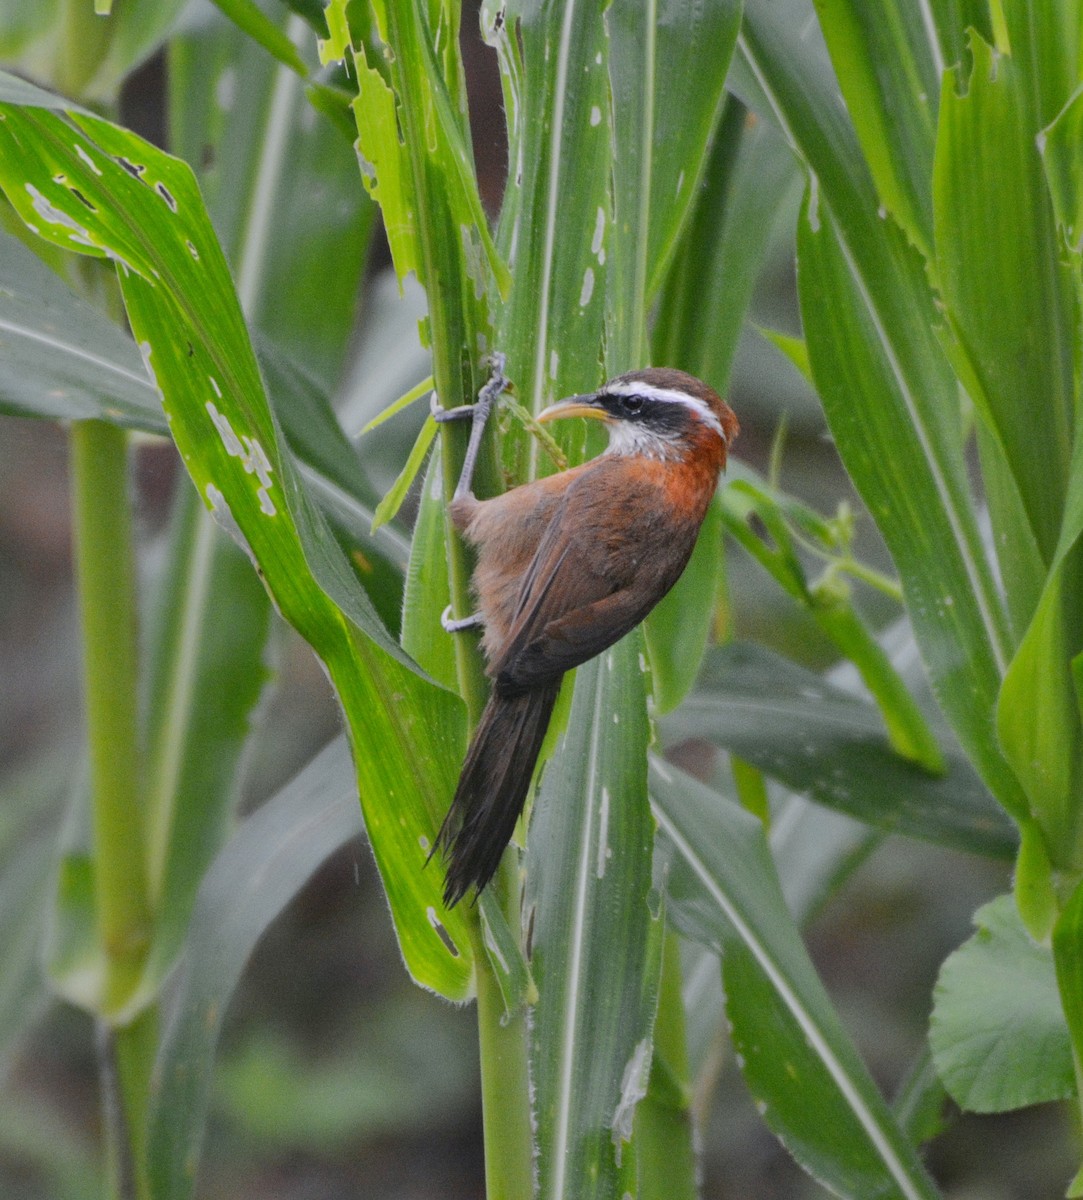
(566, 565)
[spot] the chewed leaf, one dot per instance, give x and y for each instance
(96, 188)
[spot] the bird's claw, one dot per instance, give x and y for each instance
(459, 625)
(495, 385)
(440, 414)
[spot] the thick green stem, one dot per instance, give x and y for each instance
(105, 571)
(125, 1061)
(505, 1092)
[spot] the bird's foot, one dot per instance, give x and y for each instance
(478, 412)
(495, 386)
(440, 414)
(461, 624)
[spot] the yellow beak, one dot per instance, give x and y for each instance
(574, 406)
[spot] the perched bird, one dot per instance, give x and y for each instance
(566, 566)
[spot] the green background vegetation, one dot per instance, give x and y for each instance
(905, 657)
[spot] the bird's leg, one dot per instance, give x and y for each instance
(461, 624)
(478, 412)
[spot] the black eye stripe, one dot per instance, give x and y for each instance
(632, 404)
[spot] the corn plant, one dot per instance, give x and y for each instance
(207, 296)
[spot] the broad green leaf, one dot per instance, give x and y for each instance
(64, 361)
(667, 67)
(889, 73)
(61, 358)
(556, 79)
(804, 1073)
(1017, 551)
(14, 90)
(1039, 719)
(262, 867)
(29, 804)
(749, 177)
(678, 629)
(248, 16)
(1005, 294)
(693, 49)
(908, 466)
(1048, 49)
(1059, 145)
(890, 399)
(281, 186)
(210, 620)
(954, 19)
(815, 738)
(180, 301)
(588, 885)
(997, 1030)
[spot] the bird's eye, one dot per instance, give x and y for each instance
(632, 404)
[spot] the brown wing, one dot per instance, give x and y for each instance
(585, 591)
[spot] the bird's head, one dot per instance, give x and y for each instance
(658, 412)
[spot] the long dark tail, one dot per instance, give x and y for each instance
(492, 788)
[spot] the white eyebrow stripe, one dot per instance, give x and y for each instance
(669, 396)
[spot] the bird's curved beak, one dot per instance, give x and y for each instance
(574, 406)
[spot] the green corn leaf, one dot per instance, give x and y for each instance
(1039, 719)
(1005, 294)
(262, 867)
(589, 878)
(889, 396)
(667, 68)
(889, 73)
(678, 629)
(1059, 146)
(209, 623)
(807, 1078)
(749, 178)
(915, 489)
(250, 18)
(997, 1030)
(281, 187)
(815, 738)
(30, 800)
(554, 60)
(149, 218)
(60, 357)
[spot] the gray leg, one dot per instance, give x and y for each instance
(479, 414)
(451, 625)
